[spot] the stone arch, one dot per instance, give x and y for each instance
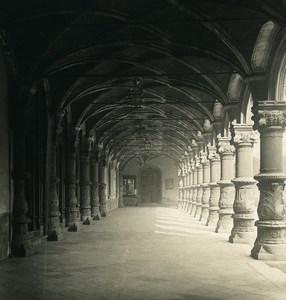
(263, 46)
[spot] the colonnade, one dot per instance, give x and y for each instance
(91, 190)
(223, 170)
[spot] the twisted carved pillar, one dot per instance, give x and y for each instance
(215, 170)
(71, 198)
(199, 190)
(94, 189)
(243, 217)
(227, 190)
(270, 243)
(206, 189)
(54, 228)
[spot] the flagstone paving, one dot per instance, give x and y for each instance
(148, 253)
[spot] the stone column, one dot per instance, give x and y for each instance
(195, 147)
(94, 190)
(227, 190)
(71, 198)
(21, 241)
(206, 189)
(270, 243)
(103, 187)
(243, 217)
(189, 208)
(85, 186)
(120, 186)
(215, 167)
(180, 185)
(199, 189)
(54, 228)
(194, 193)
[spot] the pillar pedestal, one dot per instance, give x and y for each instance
(213, 204)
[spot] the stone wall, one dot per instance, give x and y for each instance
(168, 170)
(4, 169)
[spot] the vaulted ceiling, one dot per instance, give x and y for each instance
(183, 53)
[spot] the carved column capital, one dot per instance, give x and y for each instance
(224, 146)
(269, 113)
(243, 134)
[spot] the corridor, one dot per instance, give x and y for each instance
(149, 252)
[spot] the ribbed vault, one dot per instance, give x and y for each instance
(184, 54)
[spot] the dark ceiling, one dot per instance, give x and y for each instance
(184, 54)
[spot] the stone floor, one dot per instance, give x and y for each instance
(142, 253)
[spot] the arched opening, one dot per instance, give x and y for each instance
(150, 185)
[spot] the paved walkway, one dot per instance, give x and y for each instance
(149, 253)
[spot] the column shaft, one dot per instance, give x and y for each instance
(94, 190)
(199, 191)
(103, 187)
(215, 169)
(54, 228)
(71, 198)
(227, 190)
(243, 217)
(206, 189)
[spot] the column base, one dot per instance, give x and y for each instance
(95, 214)
(242, 237)
(31, 244)
(103, 210)
(96, 217)
(224, 223)
(86, 221)
(55, 235)
(204, 213)
(270, 243)
(194, 209)
(212, 217)
(198, 210)
(75, 227)
(243, 230)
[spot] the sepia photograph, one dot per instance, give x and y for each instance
(142, 149)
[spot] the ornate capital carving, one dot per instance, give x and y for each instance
(224, 147)
(243, 134)
(269, 113)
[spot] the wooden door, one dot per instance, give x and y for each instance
(150, 185)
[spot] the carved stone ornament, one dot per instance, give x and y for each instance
(271, 206)
(224, 146)
(245, 137)
(269, 113)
